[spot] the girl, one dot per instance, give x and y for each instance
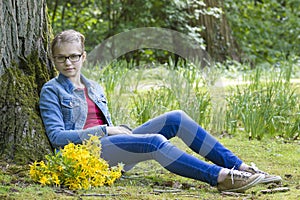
(73, 107)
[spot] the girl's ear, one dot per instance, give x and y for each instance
(83, 56)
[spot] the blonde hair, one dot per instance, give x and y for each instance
(68, 36)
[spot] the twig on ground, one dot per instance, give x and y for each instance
(166, 191)
(235, 194)
(66, 191)
(190, 195)
(280, 189)
(101, 195)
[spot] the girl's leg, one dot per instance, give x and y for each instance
(132, 149)
(178, 123)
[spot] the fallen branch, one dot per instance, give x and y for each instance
(234, 194)
(166, 191)
(68, 192)
(101, 195)
(280, 189)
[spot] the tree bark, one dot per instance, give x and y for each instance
(218, 36)
(24, 67)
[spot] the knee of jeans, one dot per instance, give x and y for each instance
(158, 140)
(176, 114)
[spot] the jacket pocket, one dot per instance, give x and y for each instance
(70, 109)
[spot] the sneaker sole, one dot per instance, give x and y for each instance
(273, 179)
(249, 185)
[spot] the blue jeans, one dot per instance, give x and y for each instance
(150, 141)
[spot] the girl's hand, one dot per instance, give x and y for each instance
(116, 130)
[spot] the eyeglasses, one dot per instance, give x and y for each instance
(72, 58)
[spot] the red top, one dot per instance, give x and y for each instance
(95, 116)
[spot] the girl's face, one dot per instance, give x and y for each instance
(68, 58)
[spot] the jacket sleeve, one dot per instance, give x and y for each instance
(51, 114)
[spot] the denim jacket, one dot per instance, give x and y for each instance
(64, 110)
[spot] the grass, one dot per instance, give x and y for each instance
(148, 180)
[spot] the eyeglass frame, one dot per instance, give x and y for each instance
(68, 57)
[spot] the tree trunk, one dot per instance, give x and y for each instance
(220, 43)
(24, 67)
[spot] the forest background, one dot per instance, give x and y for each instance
(261, 30)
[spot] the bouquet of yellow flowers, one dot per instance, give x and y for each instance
(76, 167)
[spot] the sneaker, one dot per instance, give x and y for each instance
(239, 181)
(268, 178)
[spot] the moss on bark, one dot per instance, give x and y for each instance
(22, 134)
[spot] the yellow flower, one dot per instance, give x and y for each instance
(42, 164)
(55, 179)
(60, 168)
(44, 180)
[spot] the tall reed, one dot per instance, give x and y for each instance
(266, 104)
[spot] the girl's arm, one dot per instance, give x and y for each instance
(51, 113)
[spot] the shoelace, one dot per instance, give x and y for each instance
(237, 173)
(231, 174)
(256, 170)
